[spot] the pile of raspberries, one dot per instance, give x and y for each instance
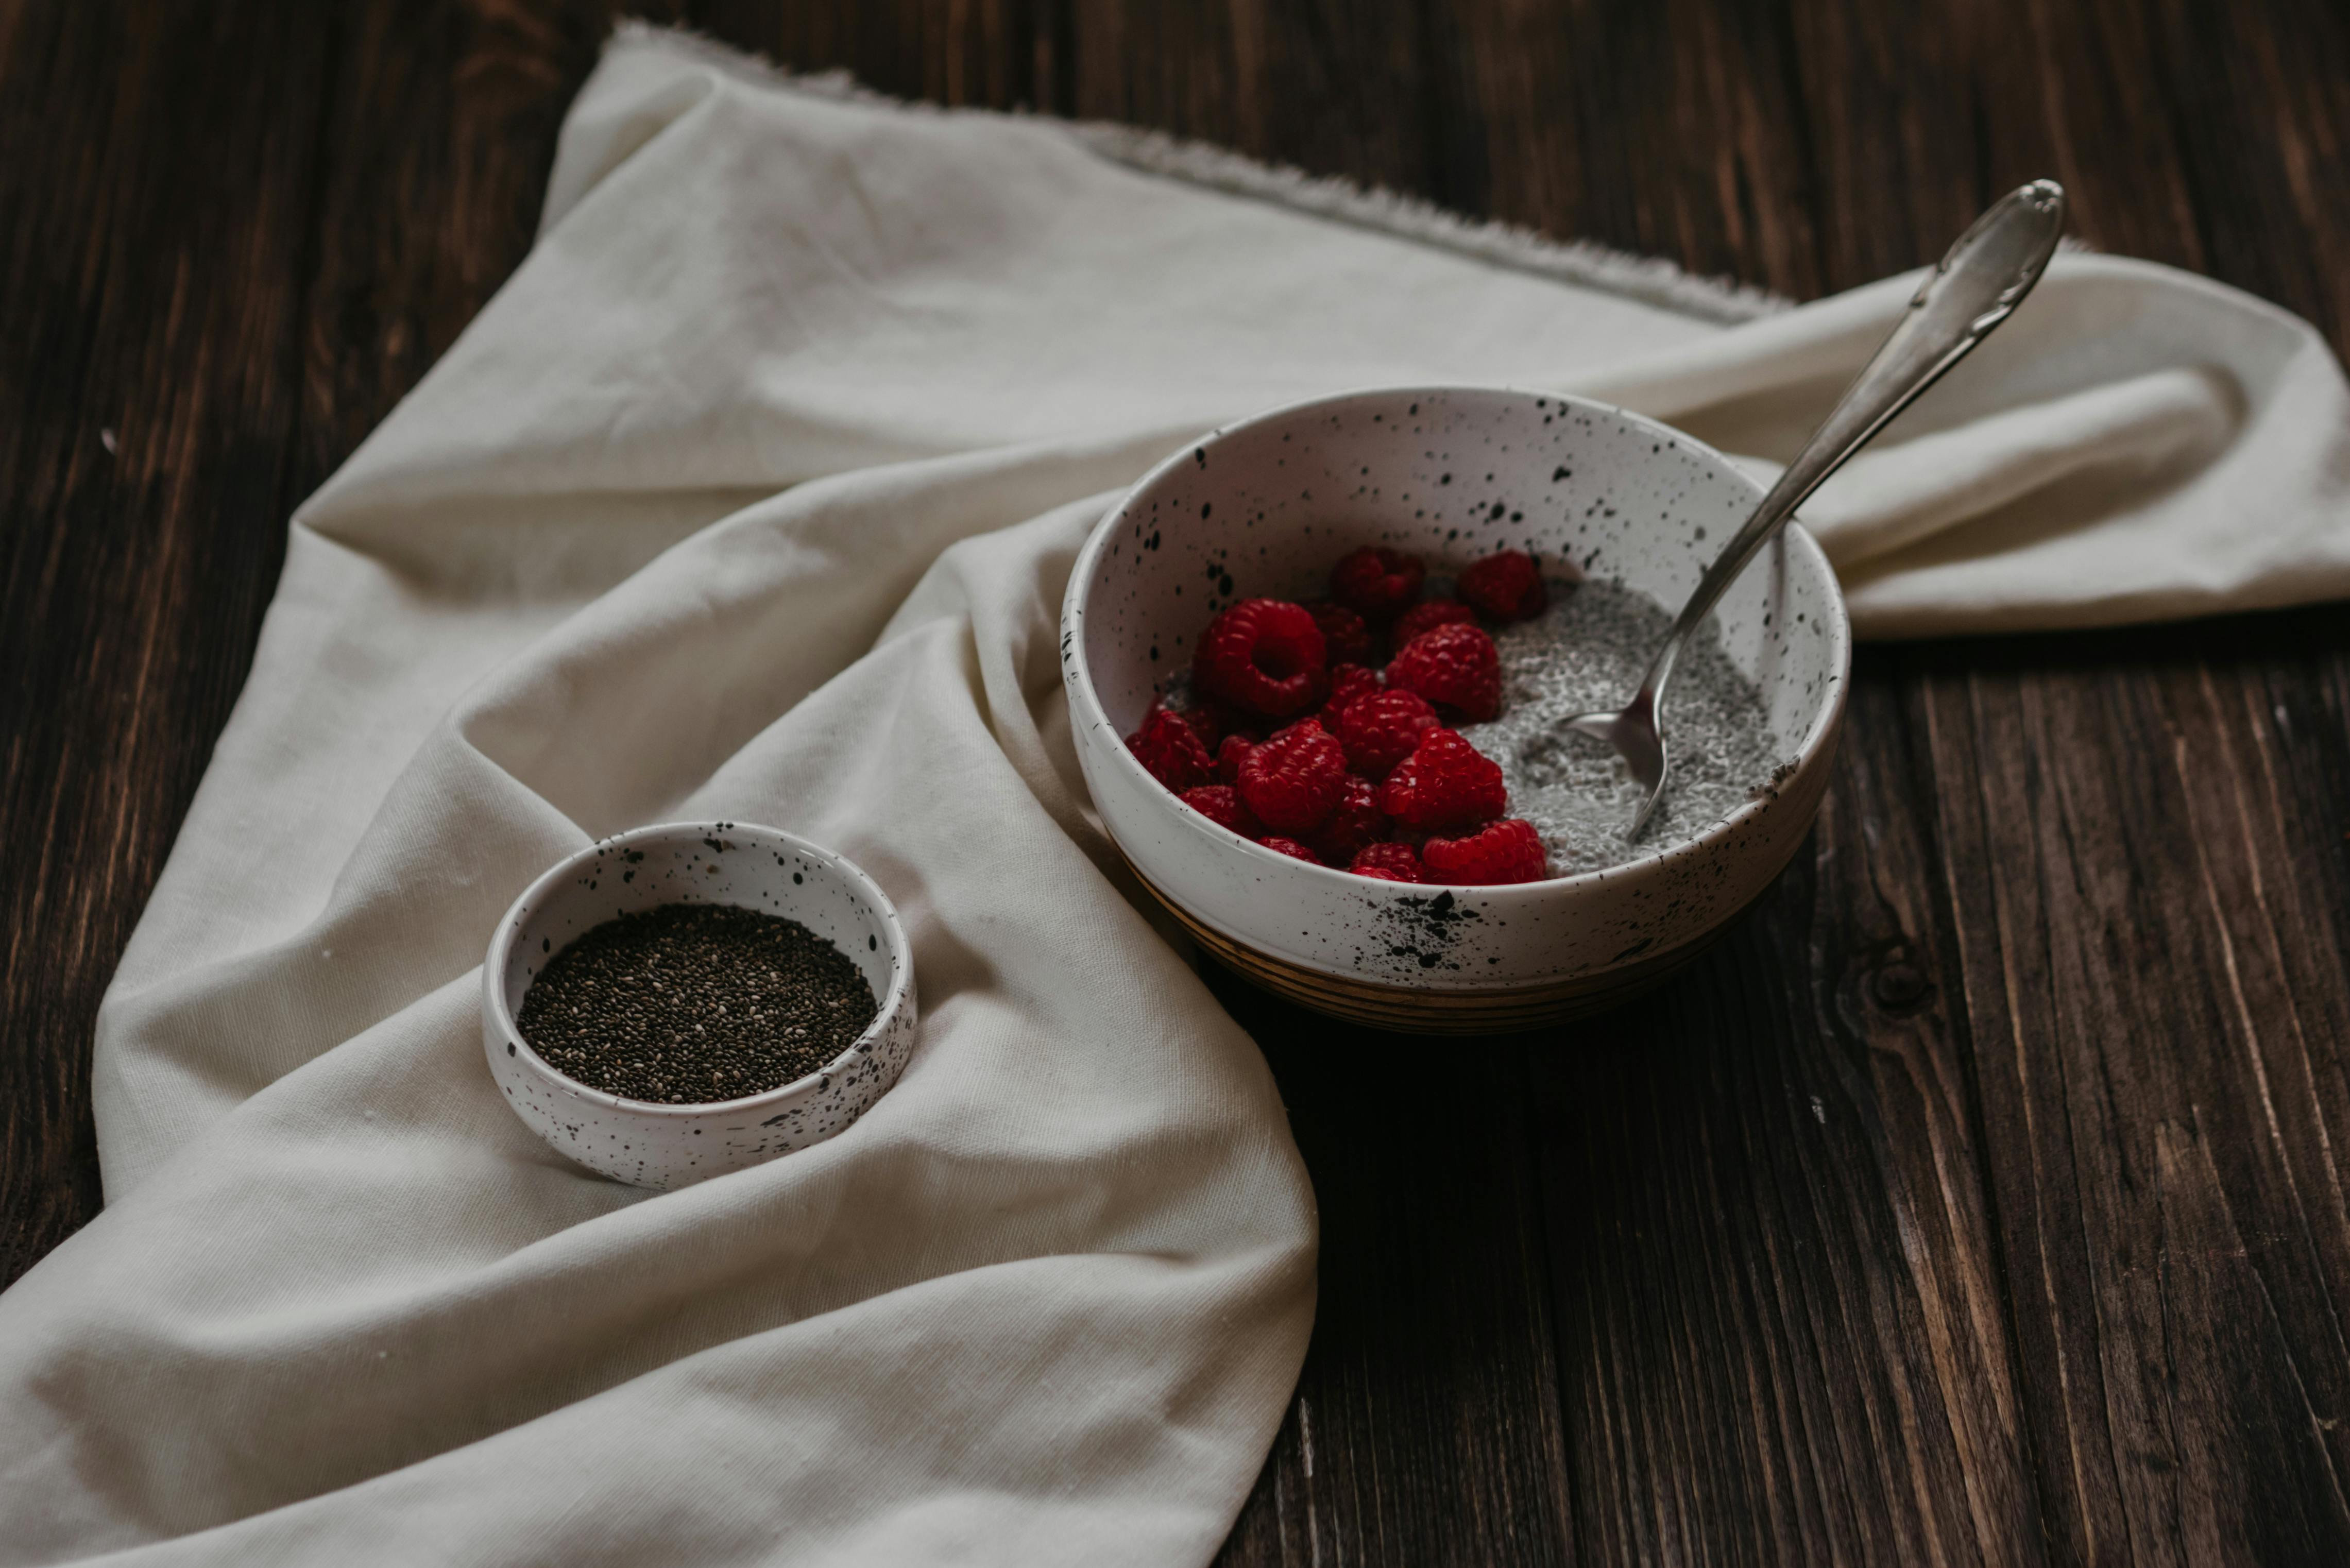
(1296, 739)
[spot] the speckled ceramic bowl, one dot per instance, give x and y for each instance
(732, 863)
(1450, 474)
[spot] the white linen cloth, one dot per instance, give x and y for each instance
(753, 495)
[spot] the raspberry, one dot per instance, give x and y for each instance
(1446, 783)
(1354, 822)
(1294, 780)
(1206, 723)
(1344, 633)
(1455, 666)
(1223, 804)
(1505, 585)
(1202, 722)
(1428, 615)
(1233, 721)
(1171, 749)
(1380, 730)
(1290, 847)
(1231, 755)
(1506, 851)
(1388, 863)
(1266, 655)
(1347, 681)
(1375, 582)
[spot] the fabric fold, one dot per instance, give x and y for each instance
(2135, 444)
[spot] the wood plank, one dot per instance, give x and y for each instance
(1426, 1428)
(158, 213)
(2149, 938)
(437, 148)
(1673, 129)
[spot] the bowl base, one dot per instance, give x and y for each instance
(1414, 1009)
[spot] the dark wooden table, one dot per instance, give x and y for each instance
(1978, 1201)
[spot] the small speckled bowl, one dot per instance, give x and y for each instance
(649, 1145)
(1450, 474)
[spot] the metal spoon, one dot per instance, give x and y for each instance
(1982, 278)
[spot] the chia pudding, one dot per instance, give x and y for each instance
(1586, 653)
(1271, 745)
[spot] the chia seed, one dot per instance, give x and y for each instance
(1586, 653)
(690, 1003)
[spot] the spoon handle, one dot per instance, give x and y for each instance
(1971, 291)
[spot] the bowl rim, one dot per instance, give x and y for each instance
(1077, 674)
(509, 927)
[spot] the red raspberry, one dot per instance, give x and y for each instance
(1223, 804)
(1455, 666)
(1375, 582)
(1427, 615)
(1204, 722)
(1505, 585)
(1446, 783)
(1290, 847)
(1231, 755)
(1294, 780)
(1266, 655)
(1382, 729)
(1344, 633)
(1171, 749)
(1354, 822)
(1234, 720)
(1388, 863)
(1347, 681)
(1506, 851)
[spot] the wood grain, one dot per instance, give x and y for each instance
(1979, 1200)
(156, 237)
(2162, 1081)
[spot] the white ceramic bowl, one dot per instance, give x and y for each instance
(732, 863)
(1450, 474)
